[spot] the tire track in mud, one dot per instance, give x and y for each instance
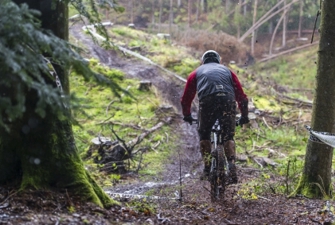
(170, 88)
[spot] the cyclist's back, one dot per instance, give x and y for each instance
(218, 91)
(213, 78)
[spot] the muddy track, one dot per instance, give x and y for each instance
(170, 89)
(196, 207)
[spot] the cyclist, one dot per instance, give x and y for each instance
(218, 91)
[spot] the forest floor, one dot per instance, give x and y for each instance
(195, 206)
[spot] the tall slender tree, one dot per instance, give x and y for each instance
(189, 12)
(160, 14)
(267, 16)
(301, 13)
(171, 16)
(284, 24)
(316, 177)
(253, 36)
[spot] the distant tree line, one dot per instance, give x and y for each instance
(242, 18)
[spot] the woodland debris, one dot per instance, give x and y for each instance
(145, 85)
(264, 161)
(112, 154)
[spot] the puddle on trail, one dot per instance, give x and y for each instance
(140, 189)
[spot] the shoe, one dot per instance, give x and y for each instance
(230, 152)
(232, 173)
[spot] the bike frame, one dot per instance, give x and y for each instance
(219, 171)
(216, 130)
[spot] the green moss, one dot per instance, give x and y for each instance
(101, 104)
(266, 103)
(310, 190)
(296, 70)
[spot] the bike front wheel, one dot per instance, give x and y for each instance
(217, 175)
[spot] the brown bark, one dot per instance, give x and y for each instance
(42, 149)
(301, 12)
(189, 12)
(268, 15)
(171, 16)
(316, 178)
(253, 38)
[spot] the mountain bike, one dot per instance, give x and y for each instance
(219, 172)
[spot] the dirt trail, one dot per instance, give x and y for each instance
(170, 90)
(196, 207)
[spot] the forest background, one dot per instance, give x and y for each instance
(284, 103)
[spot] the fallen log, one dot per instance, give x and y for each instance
(112, 155)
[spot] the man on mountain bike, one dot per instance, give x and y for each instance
(218, 91)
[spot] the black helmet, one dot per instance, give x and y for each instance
(215, 57)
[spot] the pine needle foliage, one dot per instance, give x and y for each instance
(28, 54)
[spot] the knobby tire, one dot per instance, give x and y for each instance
(217, 175)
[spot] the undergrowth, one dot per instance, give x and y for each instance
(278, 136)
(160, 50)
(103, 113)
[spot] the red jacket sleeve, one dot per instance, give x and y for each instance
(239, 93)
(189, 93)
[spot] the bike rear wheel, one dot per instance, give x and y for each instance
(217, 175)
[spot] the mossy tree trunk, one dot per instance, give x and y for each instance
(41, 152)
(316, 177)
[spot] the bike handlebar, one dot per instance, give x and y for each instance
(195, 121)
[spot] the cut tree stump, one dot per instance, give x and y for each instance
(145, 85)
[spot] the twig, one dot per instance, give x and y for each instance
(266, 123)
(157, 144)
(287, 174)
(255, 160)
(141, 150)
(206, 189)
(139, 163)
(180, 181)
(147, 132)
(167, 137)
(272, 189)
(109, 104)
(129, 150)
(122, 125)
(296, 101)
(316, 19)
(68, 198)
(9, 197)
(261, 197)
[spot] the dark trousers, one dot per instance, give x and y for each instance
(217, 106)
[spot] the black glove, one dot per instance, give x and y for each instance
(243, 120)
(188, 119)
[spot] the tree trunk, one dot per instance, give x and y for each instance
(205, 6)
(268, 15)
(160, 14)
(301, 13)
(245, 7)
(189, 12)
(316, 178)
(284, 25)
(238, 20)
(198, 11)
(253, 37)
(132, 11)
(228, 3)
(274, 34)
(153, 13)
(171, 16)
(40, 151)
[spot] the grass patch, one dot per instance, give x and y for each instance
(161, 51)
(297, 70)
(99, 105)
